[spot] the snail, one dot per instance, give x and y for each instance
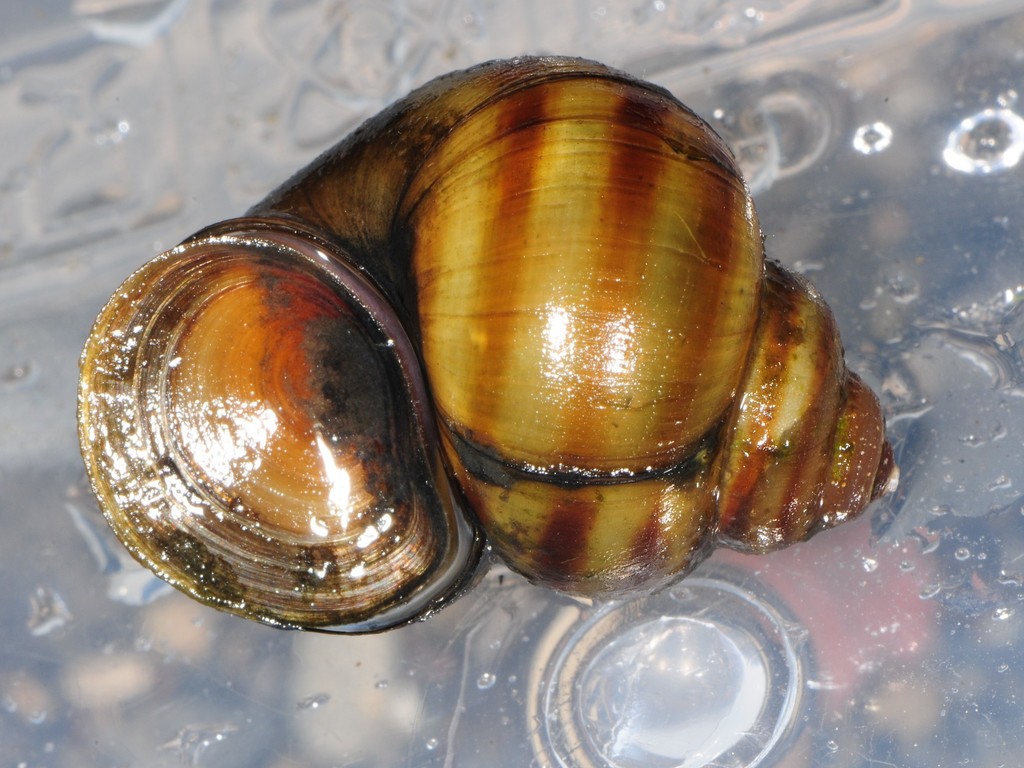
(526, 305)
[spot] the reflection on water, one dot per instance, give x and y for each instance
(705, 674)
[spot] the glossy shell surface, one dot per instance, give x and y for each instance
(532, 292)
(581, 340)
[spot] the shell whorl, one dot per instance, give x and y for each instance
(583, 267)
(587, 464)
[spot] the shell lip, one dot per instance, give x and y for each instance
(887, 478)
(461, 575)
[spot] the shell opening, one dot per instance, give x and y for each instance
(261, 438)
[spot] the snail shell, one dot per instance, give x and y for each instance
(530, 298)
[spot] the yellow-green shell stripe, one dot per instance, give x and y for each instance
(597, 539)
(573, 316)
(777, 454)
(861, 466)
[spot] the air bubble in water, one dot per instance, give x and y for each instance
(19, 375)
(315, 701)
(990, 141)
(48, 612)
(37, 717)
(872, 138)
(485, 681)
(930, 591)
(193, 741)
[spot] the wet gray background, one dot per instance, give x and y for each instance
(882, 140)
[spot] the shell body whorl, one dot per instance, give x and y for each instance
(534, 289)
